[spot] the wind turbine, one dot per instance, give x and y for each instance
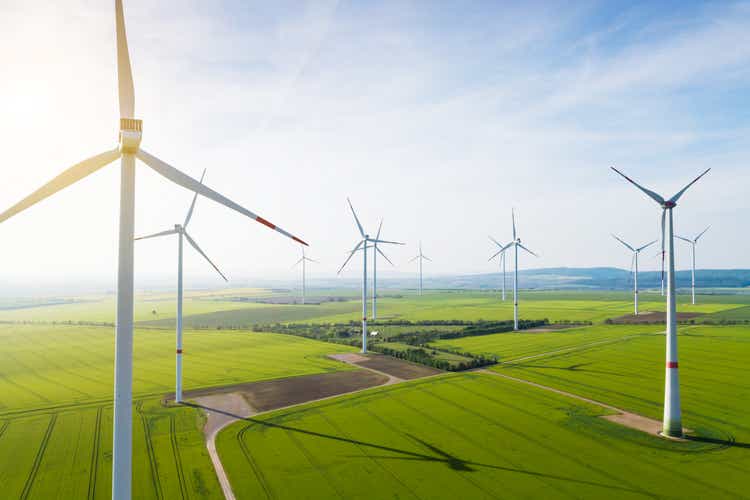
(181, 232)
(693, 242)
(304, 260)
(421, 257)
(672, 425)
(502, 261)
(127, 151)
(375, 271)
(363, 243)
(635, 251)
(516, 244)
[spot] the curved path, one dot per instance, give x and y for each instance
(223, 409)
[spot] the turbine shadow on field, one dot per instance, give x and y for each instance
(579, 367)
(452, 461)
(724, 443)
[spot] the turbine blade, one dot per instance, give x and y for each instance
(663, 222)
(192, 205)
(311, 260)
(682, 191)
(702, 233)
(646, 246)
(618, 239)
(188, 182)
(683, 239)
(495, 241)
(377, 236)
(156, 235)
(65, 179)
(414, 258)
(356, 219)
(297, 263)
(513, 215)
(384, 256)
(532, 253)
(426, 258)
(124, 73)
(195, 245)
(499, 252)
(658, 199)
(389, 242)
(351, 254)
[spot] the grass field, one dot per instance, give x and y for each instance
(467, 436)
(515, 345)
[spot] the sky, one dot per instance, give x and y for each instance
(436, 117)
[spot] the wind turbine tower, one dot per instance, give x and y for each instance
(516, 244)
(181, 232)
(364, 243)
(128, 149)
(672, 424)
(421, 258)
(502, 262)
(693, 242)
(636, 252)
(304, 260)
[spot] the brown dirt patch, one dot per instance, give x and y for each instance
(348, 357)
(273, 394)
(653, 317)
(397, 367)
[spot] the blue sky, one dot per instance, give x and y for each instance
(438, 117)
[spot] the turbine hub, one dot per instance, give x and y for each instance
(131, 131)
(669, 204)
(178, 228)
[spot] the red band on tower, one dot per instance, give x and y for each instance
(672, 364)
(179, 351)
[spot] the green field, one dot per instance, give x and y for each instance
(467, 436)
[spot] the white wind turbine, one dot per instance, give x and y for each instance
(516, 244)
(304, 260)
(127, 151)
(421, 257)
(181, 231)
(672, 425)
(502, 260)
(693, 242)
(636, 252)
(364, 244)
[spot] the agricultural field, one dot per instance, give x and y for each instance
(519, 345)
(470, 435)
(630, 374)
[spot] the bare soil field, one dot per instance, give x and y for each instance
(398, 368)
(272, 394)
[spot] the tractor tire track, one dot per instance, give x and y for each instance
(95, 455)
(151, 454)
(38, 460)
(309, 457)
(177, 458)
(253, 464)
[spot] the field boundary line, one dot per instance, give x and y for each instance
(95, 454)
(38, 459)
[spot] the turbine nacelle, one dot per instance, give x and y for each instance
(131, 132)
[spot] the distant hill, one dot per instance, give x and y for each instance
(596, 278)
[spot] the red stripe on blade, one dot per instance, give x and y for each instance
(672, 364)
(300, 241)
(265, 222)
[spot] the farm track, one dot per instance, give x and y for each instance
(250, 460)
(4, 427)
(150, 450)
(38, 459)
(177, 457)
(95, 455)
